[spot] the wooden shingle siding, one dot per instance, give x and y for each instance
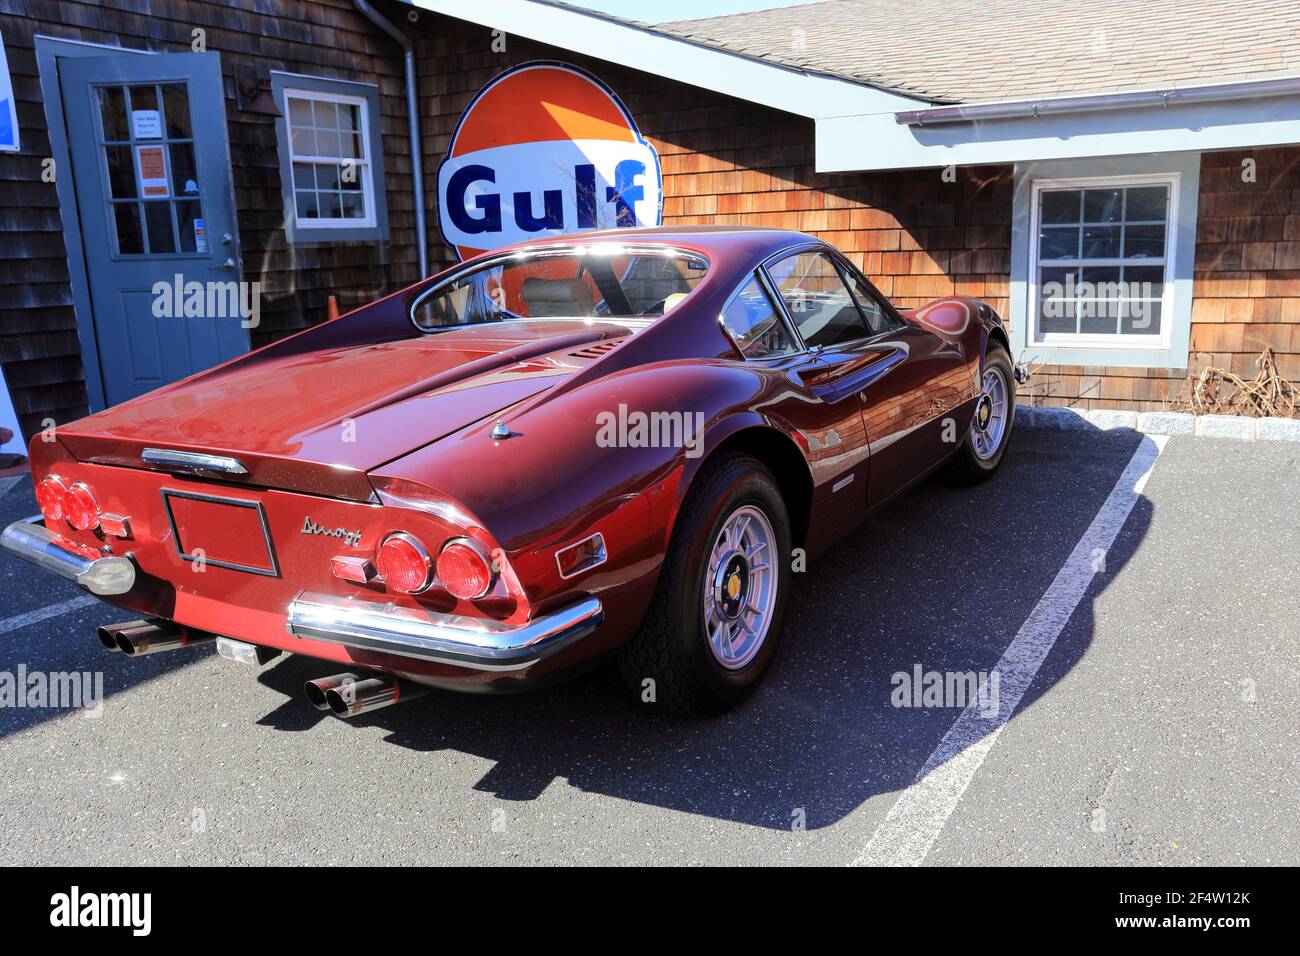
(729, 162)
(39, 347)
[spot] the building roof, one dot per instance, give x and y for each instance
(1017, 49)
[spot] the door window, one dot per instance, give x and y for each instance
(147, 148)
(818, 300)
(879, 319)
(754, 325)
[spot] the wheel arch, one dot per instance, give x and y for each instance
(781, 456)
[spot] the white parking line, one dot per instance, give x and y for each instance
(40, 614)
(909, 830)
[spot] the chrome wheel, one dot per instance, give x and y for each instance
(991, 411)
(740, 586)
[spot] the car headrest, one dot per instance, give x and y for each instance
(554, 298)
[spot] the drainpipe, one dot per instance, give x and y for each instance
(412, 125)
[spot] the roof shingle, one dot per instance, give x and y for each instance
(944, 52)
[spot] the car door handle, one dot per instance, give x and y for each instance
(227, 266)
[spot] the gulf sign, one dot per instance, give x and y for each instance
(545, 149)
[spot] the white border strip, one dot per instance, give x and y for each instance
(909, 830)
(1239, 427)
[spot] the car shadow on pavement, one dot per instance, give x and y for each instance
(941, 581)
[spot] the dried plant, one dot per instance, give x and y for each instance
(1216, 391)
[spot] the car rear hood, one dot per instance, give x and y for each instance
(318, 421)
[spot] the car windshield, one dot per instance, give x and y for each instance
(606, 283)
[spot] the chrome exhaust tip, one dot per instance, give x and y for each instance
(349, 699)
(154, 636)
(316, 689)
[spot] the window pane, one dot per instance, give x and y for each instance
(1144, 282)
(306, 204)
(185, 178)
(187, 215)
(176, 108)
(304, 176)
(121, 171)
(878, 320)
(1147, 202)
(1057, 316)
(327, 176)
(327, 143)
(1143, 242)
(329, 204)
(1098, 317)
(1103, 205)
(754, 323)
(1058, 243)
(144, 98)
(126, 216)
(324, 115)
(818, 300)
(1060, 206)
(348, 116)
(112, 110)
(1100, 242)
(158, 225)
(1141, 318)
(354, 206)
(299, 112)
(303, 142)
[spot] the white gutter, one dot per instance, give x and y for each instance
(1021, 109)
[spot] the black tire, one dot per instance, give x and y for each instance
(671, 647)
(967, 467)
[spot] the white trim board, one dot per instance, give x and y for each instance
(641, 48)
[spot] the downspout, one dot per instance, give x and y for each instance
(412, 125)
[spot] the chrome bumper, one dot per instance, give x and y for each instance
(104, 575)
(443, 638)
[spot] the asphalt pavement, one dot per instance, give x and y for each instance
(1159, 727)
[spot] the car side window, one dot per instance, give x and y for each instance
(879, 319)
(817, 299)
(754, 323)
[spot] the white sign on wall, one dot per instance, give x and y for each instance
(8, 108)
(9, 420)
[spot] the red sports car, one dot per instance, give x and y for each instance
(621, 443)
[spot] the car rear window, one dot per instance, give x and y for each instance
(598, 282)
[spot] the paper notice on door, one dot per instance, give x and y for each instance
(146, 124)
(153, 171)
(200, 236)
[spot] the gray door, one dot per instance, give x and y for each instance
(151, 167)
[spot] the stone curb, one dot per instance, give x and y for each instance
(1163, 423)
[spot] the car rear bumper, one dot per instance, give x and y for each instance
(104, 575)
(441, 638)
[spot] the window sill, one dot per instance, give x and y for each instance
(1054, 353)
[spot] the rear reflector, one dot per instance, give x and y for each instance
(583, 556)
(119, 526)
(464, 570)
(354, 569)
(403, 563)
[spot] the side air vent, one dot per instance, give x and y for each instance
(597, 350)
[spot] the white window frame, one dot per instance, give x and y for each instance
(365, 165)
(1064, 341)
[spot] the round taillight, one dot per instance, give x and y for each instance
(403, 563)
(50, 495)
(80, 507)
(464, 570)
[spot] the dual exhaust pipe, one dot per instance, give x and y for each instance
(137, 638)
(348, 695)
(344, 695)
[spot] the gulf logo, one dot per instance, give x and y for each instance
(545, 149)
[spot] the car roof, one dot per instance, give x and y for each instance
(749, 240)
